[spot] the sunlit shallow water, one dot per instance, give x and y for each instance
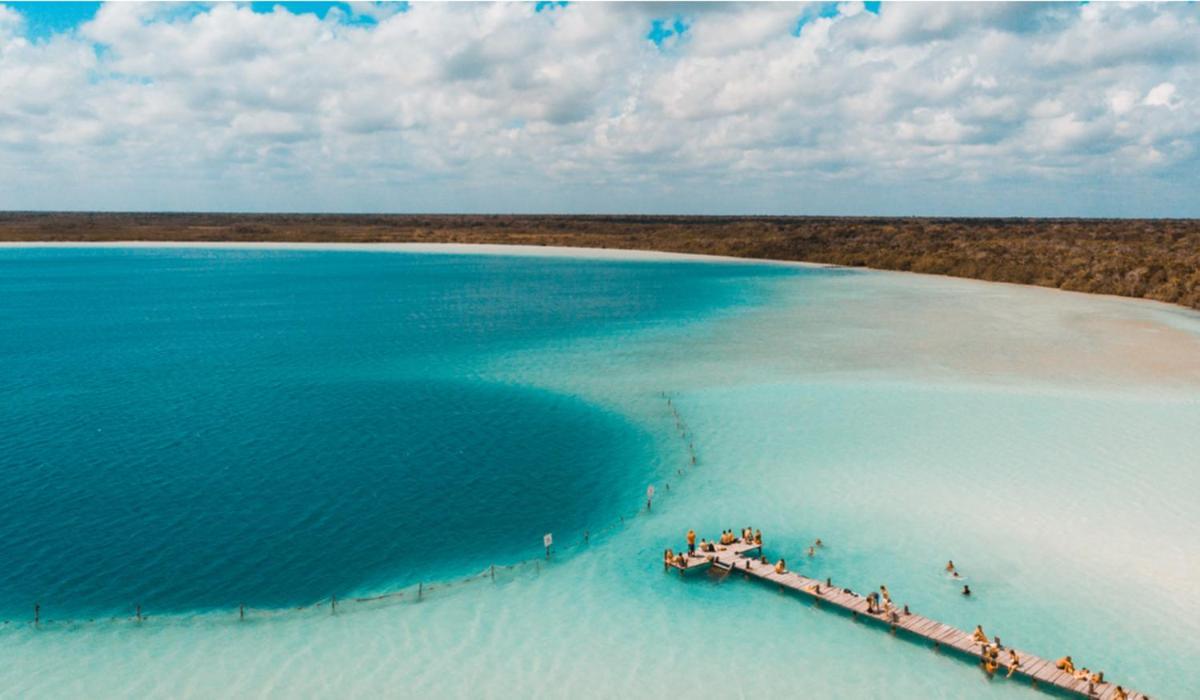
(903, 420)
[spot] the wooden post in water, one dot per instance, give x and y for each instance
(37, 614)
(242, 611)
(333, 604)
(420, 590)
(139, 612)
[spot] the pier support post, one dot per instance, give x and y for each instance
(333, 604)
(242, 611)
(493, 572)
(37, 614)
(139, 612)
(420, 590)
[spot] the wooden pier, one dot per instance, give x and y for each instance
(734, 557)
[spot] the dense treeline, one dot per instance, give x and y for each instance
(1155, 259)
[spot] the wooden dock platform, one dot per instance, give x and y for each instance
(1039, 671)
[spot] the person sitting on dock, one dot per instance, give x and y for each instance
(781, 567)
(758, 537)
(996, 643)
(1065, 664)
(1082, 674)
(1120, 694)
(989, 665)
(681, 561)
(1098, 677)
(691, 540)
(707, 546)
(668, 557)
(979, 636)
(1014, 662)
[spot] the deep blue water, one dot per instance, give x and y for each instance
(199, 428)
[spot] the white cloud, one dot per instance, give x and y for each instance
(962, 108)
(1161, 95)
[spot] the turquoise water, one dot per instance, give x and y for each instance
(1046, 442)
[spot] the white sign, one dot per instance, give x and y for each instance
(547, 539)
(650, 492)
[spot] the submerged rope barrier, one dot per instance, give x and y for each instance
(414, 593)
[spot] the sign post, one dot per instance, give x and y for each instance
(547, 540)
(649, 496)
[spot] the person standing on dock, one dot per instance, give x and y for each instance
(691, 540)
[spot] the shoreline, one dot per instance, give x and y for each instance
(563, 252)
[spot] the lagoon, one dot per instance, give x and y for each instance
(195, 428)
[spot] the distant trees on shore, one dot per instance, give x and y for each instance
(1148, 258)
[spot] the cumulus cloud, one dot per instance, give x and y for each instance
(921, 108)
(1161, 95)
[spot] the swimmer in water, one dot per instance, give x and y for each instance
(966, 589)
(950, 566)
(819, 543)
(811, 552)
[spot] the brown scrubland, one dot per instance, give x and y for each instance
(1148, 258)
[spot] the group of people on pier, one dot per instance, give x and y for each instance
(880, 603)
(1067, 665)
(989, 653)
(728, 537)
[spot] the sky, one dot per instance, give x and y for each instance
(1071, 109)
